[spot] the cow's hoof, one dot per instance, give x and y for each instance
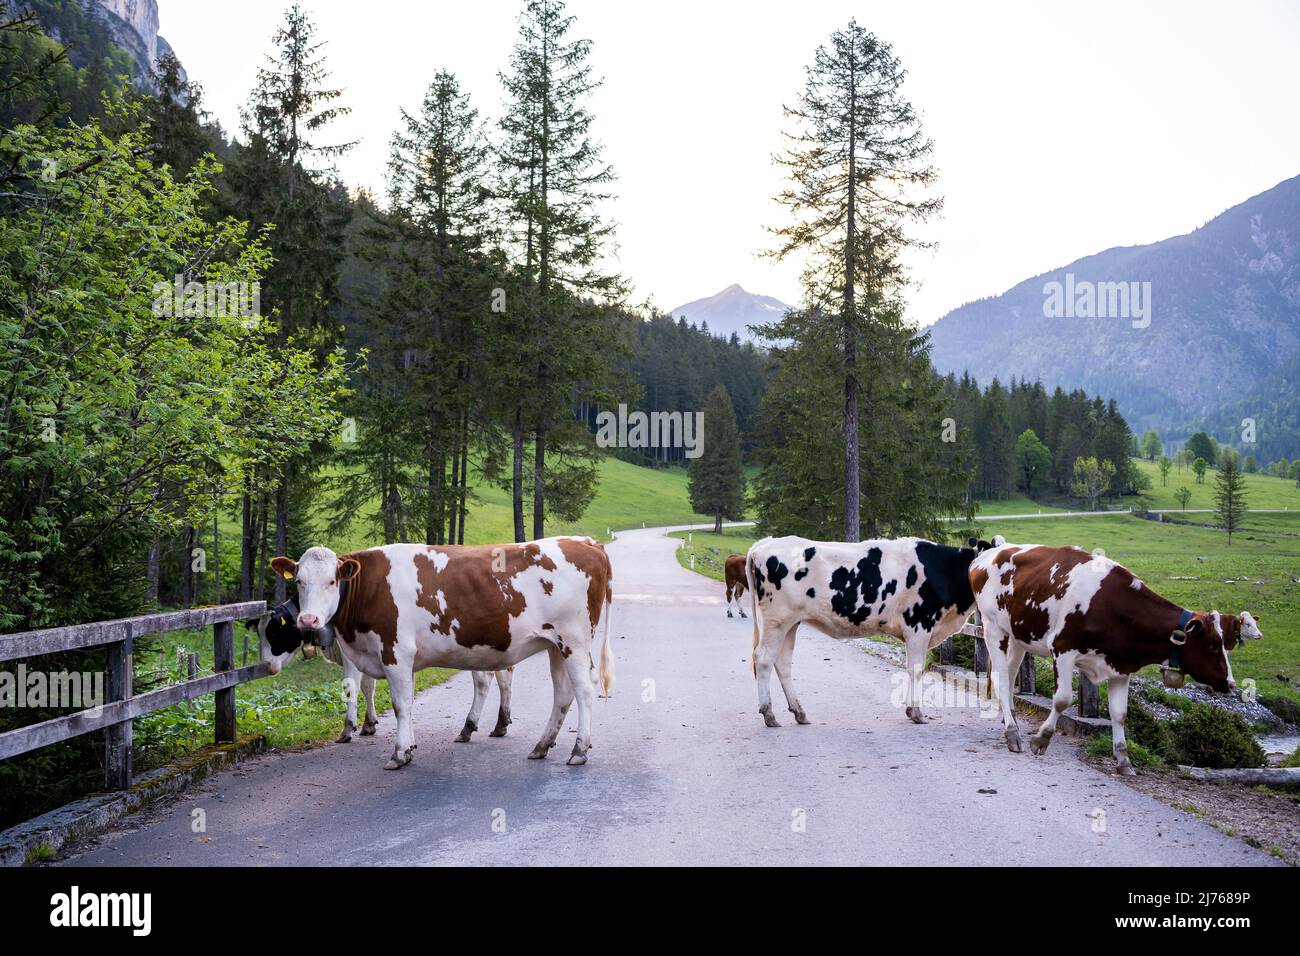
(729, 614)
(579, 756)
(800, 717)
(1013, 740)
(466, 732)
(1125, 769)
(540, 751)
(766, 711)
(500, 729)
(346, 736)
(743, 614)
(1038, 744)
(916, 715)
(399, 759)
(369, 727)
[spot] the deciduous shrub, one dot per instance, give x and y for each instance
(1207, 736)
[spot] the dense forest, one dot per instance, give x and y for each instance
(1019, 438)
(406, 346)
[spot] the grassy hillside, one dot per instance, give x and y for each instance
(1254, 574)
(626, 496)
(1262, 491)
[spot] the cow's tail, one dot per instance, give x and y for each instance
(753, 608)
(606, 650)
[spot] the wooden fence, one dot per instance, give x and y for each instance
(121, 704)
(1089, 703)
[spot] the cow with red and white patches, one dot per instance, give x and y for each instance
(1085, 611)
(402, 608)
(909, 588)
(733, 573)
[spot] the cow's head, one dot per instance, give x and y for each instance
(1202, 654)
(280, 637)
(320, 575)
(1237, 630)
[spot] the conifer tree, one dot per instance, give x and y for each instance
(1229, 495)
(553, 177)
(716, 481)
(859, 163)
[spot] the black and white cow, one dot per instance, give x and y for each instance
(909, 588)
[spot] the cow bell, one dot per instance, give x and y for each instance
(1172, 678)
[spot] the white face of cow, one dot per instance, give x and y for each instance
(318, 574)
(1249, 627)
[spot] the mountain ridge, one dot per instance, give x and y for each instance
(1224, 324)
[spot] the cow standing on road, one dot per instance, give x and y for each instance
(280, 640)
(1084, 610)
(404, 607)
(734, 573)
(909, 588)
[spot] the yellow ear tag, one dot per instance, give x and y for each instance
(288, 576)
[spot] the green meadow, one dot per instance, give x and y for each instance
(1262, 491)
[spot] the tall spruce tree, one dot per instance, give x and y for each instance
(1229, 495)
(283, 178)
(436, 306)
(716, 481)
(552, 178)
(859, 164)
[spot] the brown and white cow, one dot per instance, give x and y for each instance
(734, 574)
(355, 682)
(1084, 610)
(405, 607)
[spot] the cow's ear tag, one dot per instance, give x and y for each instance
(288, 576)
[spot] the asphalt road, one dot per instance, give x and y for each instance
(682, 771)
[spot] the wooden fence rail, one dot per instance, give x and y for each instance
(121, 704)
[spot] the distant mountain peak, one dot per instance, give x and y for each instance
(1222, 337)
(732, 310)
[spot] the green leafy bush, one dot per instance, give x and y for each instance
(1206, 736)
(1150, 733)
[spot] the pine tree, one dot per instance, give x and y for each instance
(436, 305)
(553, 177)
(858, 162)
(1229, 495)
(716, 482)
(283, 178)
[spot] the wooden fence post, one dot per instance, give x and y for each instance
(119, 672)
(223, 657)
(947, 653)
(1028, 677)
(1089, 703)
(981, 650)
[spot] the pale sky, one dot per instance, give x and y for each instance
(1061, 129)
